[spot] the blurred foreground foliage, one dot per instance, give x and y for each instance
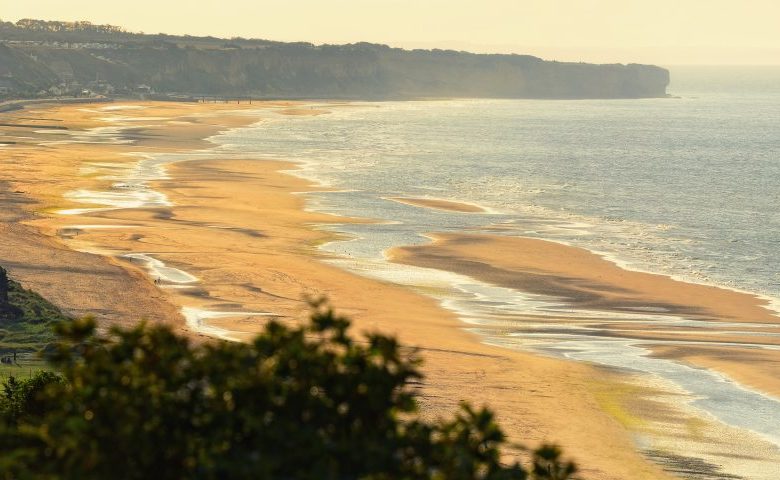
(306, 402)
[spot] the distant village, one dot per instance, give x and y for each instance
(72, 88)
(69, 86)
(79, 61)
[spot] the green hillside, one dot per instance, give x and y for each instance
(40, 58)
(26, 318)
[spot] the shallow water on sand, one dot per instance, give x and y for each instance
(687, 187)
(679, 186)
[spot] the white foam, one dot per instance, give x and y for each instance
(111, 108)
(505, 316)
(109, 200)
(159, 270)
(772, 303)
(102, 227)
(709, 391)
(81, 211)
(196, 320)
(124, 118)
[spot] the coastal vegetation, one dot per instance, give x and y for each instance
(26, 320)
(298, 402)
(41, 58)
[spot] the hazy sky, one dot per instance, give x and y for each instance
(666, 32)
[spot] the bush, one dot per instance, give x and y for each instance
(303, 402)
(24, 399)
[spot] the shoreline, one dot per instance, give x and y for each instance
(295, 261)
(690, 324)
(259, 233)
(739, 306)
(458, 207)
(684, 310)
(240, 228)
(440, 204)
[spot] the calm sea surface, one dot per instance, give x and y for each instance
(686, 186)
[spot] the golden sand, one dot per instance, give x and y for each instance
(240, 228)
(751, 367)
(583, 278)
(589, 281)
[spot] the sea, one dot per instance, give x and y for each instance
(687, 186)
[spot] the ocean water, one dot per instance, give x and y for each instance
(686, 186)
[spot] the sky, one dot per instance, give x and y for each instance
(664, 32)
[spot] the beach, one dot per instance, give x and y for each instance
(126, 211)
(588, 281)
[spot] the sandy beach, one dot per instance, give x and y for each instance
(582, 278)
(217, 246)
(438, 204)
(588, 281)
(740, 339)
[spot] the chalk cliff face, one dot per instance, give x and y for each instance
(208, 66)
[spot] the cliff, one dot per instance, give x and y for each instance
(41, 56)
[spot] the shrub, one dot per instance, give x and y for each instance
(306, 402)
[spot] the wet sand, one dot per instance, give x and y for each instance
(438, 204)
(236, 247)
(710, 328)
(258, 258)
(752, 367)
(588, 281)
(580, 277)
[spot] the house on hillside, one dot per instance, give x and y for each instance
(143, 91)
(102, 87)
(58, 90)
